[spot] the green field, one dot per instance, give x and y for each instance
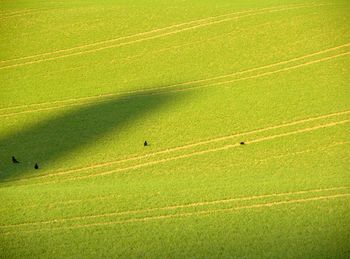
(84, 83)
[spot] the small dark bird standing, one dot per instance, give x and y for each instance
(36, 166)
(145, 144)
(14, 160)
(242, 143)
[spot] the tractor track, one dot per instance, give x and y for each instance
(178, 215)
(203, 83)
(172, 158)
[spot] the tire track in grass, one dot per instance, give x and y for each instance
(264, 74)
(156, 51)
(181, 215)
(207, 212)
(303, 151)
(120, 38)
(257, 75)
(82, 52)
(161, 89)
(174, 207)
(183, 147)
(185, 83)
(124, 37)
(267, 66)
(113, 196)
(23, 13)
(290, 68)
(161, 161)
(226, 147)
(202, 20)
(5, 14)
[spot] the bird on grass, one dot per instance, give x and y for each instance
(36, 166)
(14, 160)
(145, 144)
(242, 143)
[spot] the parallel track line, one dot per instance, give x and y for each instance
(147, 92)
(188, 214)
(23, 13)
(187, 146)
(302, 151)
(113, 196)
(152, 31)
(160, 161)
(226, 147)
(173, 207)
(145, 38)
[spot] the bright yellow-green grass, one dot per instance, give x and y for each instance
(84, 83)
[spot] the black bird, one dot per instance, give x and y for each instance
(145, 144)
(36, 166)
(14, 160)
(242, 143)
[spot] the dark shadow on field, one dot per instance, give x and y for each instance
(73, 129)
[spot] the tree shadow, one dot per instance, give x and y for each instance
(62, 135)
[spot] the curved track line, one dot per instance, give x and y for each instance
(197, 153)
(23, 13)
(147, 91)
(186, 83)
(123, 38)
(172, 207)
(194, 87)
(181, 215)
(146, 38)
(226, 147)
(270, 204)
(267, 66)
(252, 70)
(126, 37)
(132, 58)
(113, 196)
(303, 151)
(266, 73)
(151, 31)
(67, 202)
(187, 146)
(4, 14)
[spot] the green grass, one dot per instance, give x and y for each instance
(84, 83)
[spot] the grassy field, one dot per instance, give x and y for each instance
(84, 83)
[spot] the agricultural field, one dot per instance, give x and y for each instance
(244, 105)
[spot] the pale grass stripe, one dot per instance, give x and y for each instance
(118, 39)
(187, 214)
(147, 91)
(303, 151)
(113, 196)
(173, 207)
(137, 56)
(4, 14)
(181, 84)
(267, 66)
(124, 37)
(187, 146)
(226, 147)
(64, 202)
(22, 13)
(266, 73)
(144, 39)
(270, 204)
(156, 30)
